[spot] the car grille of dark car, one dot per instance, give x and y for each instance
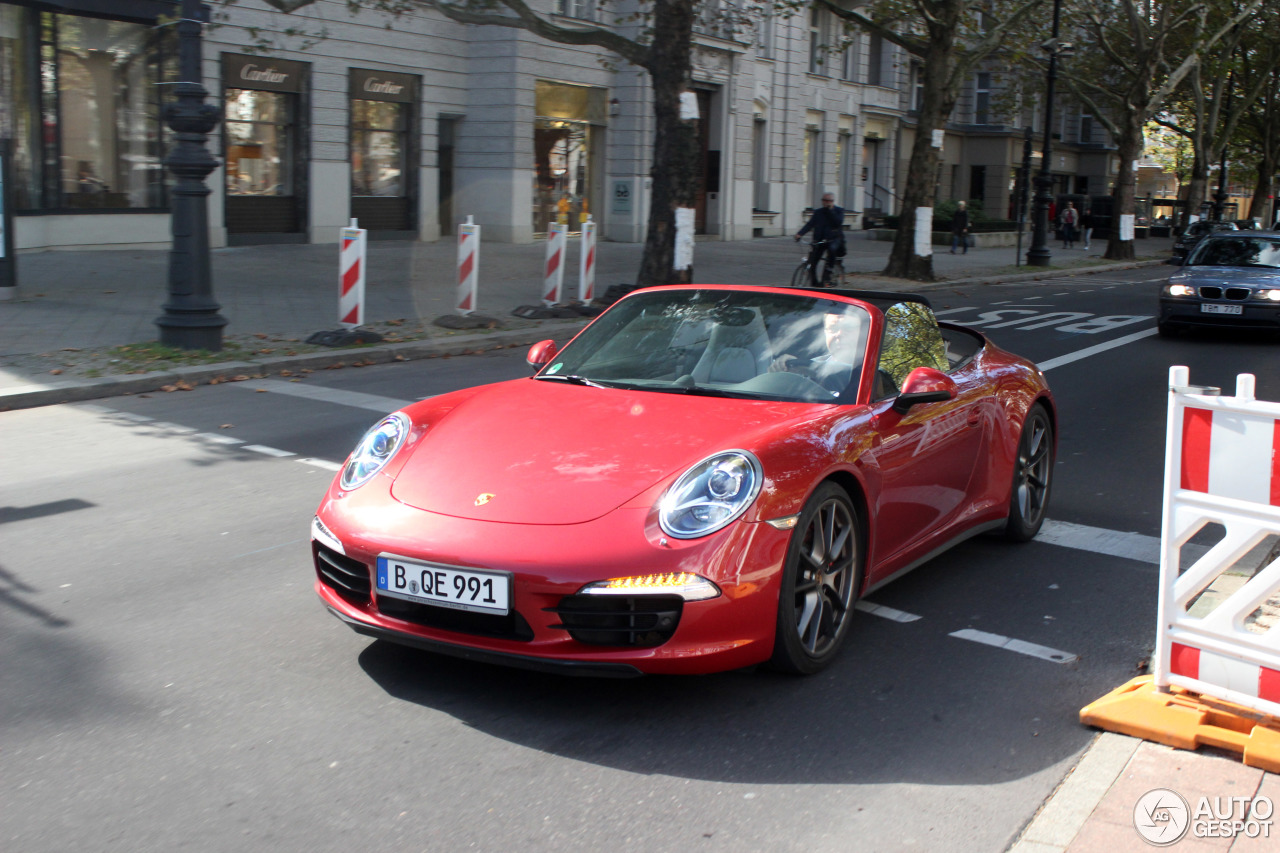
(510, 627)
(619, 620)
(1238, 294)
(347, 577)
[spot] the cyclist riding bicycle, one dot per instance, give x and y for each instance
(827, 225)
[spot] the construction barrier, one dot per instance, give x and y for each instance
(553, 271)
(1216, 676)
(587, 263)
(468, 266)
(351, 267)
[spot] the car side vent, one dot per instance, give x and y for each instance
(619, 620)
(347, 577)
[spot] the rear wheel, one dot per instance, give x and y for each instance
(1032, 477)
(820, 581)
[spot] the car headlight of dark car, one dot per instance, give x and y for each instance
(1179, 290)
(375, 450)
(1269, 295)
(710, 494)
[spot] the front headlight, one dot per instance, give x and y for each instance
(710, 494)
(687, 585)
(1180, 290)
(375, 450)
(1269, 295)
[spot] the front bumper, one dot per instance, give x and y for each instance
(549, 564)
(1187, 311)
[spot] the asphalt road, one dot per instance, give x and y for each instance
(168, 680)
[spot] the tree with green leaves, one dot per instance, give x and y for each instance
(950, 38)
(1139, 53)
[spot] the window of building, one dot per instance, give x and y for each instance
(583, 10)
(764, 35)
(875, 61)
(978, 183)
(84, 102)
(849, 59)
(259, 128)
(563, 148)
(1086, 129)
(982, 98)
(917, 86)
(817, 42)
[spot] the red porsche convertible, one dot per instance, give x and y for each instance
(705, 478)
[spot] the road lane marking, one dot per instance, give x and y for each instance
(214, 438)
(1095, 350)
(1113, 543)
(356, 399)
(268, 451)
(320, 463)
(1009, 644)
(885, 612)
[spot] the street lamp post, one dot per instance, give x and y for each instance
(1220, 197)
(191, 319)
(1038, 255)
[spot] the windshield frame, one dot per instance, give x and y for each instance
(658, 339)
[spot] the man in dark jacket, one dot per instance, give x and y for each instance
(827, 224)
(960, 228)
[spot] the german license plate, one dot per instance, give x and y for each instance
(1205, 308)
(445, 586)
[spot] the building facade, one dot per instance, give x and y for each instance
(411, 124)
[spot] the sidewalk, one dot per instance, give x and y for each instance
(75, 306)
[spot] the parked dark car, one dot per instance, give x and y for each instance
(1232, 278)
(1196, 232)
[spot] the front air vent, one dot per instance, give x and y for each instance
(619, 620)
(347, 577)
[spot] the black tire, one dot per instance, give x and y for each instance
(1167, 330)
(800, 278)
(820, 582)
(1032, 477)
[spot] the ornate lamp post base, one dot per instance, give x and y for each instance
(191, 319)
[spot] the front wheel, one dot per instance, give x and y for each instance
(1032, 477)
(820, 581)
(800, 278)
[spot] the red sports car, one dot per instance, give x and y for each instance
(705, 478)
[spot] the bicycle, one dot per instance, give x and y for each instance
(814, 271)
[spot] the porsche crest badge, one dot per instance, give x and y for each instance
(484, 499)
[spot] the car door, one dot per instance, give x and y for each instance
(924, 458)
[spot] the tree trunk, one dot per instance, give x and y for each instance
(920, 192)
(1128, 149)
(676, 150)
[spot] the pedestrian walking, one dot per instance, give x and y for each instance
(1086, 226)
(1068, 221)
(960, 228)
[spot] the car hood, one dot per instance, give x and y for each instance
(1261, 277)
(538, 452)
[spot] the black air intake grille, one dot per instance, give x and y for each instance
(619, 620)
(347, 577)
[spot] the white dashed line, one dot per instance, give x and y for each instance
(268, 451)
(130, 416)
(356, 399)
(320, 463)
(1020, 646)
(886, 612)
(217, 439)
(1051, 363)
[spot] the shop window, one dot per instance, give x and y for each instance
(563, 145)
(258, 128)
(377, 148)
(84, 97)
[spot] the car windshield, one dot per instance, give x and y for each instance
(723, 343)
(1238, 252)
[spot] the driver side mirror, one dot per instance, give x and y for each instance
(924, 385)
(541, 353)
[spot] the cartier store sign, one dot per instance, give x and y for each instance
(383, 86)
(263, 72)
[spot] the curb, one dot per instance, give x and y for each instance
(49, 394)
(52, 393)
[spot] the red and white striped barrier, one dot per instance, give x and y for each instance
(1220, 469)
(351, 265)
(468, 266)
(553, 271)
(587, 262)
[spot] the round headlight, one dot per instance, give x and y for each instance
(375, 450)
(1270, 295)
(710, 494)
(1181, 290)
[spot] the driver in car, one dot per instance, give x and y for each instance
(842, 334)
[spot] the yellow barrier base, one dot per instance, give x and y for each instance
(1187, 720)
